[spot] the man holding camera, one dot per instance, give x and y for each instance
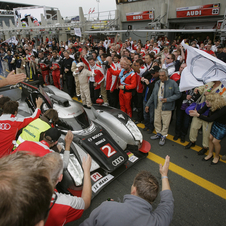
(136, 208)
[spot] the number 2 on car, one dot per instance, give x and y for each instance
(108, 150)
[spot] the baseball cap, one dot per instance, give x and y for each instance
(80, 65)
(220, 46)
(52, 134)
(155, 69)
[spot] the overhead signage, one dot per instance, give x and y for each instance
(137, 16)
(198, 11)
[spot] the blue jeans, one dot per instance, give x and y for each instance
(149, 117)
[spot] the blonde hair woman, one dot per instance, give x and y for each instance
(217, 105)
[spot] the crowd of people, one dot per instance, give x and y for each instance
(141, 80)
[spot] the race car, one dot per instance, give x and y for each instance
(107, 134)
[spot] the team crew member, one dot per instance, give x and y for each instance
(11, 124)
(44, 65)
(34, 130)
(83, 76)
(127, 83)
(56, 62)
(41, 148)
(66, 70)
(111, 83)
(67, 208)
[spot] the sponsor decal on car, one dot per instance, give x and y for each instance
(132, 157)
(96, 176)
(117, 161)
(108, 150)
(100, 183)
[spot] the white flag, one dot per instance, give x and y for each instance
(78, 32)
(11, 40)
(201, 69)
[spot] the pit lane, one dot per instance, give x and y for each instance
(199, 189)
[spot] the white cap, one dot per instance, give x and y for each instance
(80, 65)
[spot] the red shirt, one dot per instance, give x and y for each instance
(97, 69)
(9, 127)
(66, 209)
(210, 52)
(37, 148)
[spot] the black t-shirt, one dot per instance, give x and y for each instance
(221, 56)
(216, 116)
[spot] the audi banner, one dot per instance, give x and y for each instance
(195, 75)
(198, 11)
(136, 16)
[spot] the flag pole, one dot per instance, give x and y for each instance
(98, 1)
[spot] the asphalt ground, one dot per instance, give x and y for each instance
(199, 189)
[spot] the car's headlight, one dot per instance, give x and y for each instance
(134, 130)
(75, 170)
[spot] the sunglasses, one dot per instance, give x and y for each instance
(51, 205)
(168, 58)
(53, 202)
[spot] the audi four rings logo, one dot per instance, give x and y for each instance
(117, 161)
(5, 126)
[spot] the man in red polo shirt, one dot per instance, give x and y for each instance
(10, 124)
(208, 49)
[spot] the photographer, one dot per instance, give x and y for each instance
(20, 63)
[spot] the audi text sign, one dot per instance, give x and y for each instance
(136, 16)
(198, 11)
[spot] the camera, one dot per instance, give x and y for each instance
(194, 98)
(106, 63)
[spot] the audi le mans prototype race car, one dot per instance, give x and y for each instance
(109, 135)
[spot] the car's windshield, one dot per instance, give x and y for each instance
(77, 123)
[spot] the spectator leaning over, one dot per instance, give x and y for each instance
(169, 64)
(11, 124)
(216, 115)
(67, 208)
(46, 145)
(136, 208)
(34, 131)
(164, 95)
(196, 124)
(25, 190)
(149, 79)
